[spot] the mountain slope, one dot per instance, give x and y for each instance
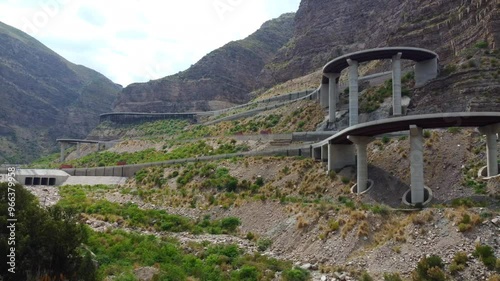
(224, 76)
(43, 96)
(325, 29)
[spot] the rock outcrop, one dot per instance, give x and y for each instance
(325, 29)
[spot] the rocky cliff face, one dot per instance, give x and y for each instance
(223, 77)
(43, 96)
(325, 29)
(321, 30)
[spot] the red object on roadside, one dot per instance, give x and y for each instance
(65, 166)
(121, 163)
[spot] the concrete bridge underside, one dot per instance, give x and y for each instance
(65, 142)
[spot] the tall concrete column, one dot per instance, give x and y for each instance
(417, 164)
(362, 158)
(323, 96)
(425, 71)
(492, 152)
(63, 150)
(396, 84)
(340, 156)
(78, 151)
(98, 147)
(333, 94)
(353, 92)
(491, 148)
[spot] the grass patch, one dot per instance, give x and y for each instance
(194, 149)
(119, 253)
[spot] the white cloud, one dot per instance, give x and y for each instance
(139, 40)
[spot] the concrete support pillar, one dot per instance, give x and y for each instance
(396, 84)
(492, 154)
(78, 151)
(353, 92)
(333, 94)
(323, 96)
(362, 160)
(324, 153)
(98, 146)
(340, 156)
(491, 132)
(417, 164)
(425, 71)
(63, 150)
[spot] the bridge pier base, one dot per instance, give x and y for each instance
(340, 156)
(425, 71)
(333, 93)
(491, 147)
(362, 163)
(323, 96)
(63, 150)
(353, 92)
(396, 84)
(417, 164)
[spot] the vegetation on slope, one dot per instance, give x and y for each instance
(193, 149)
(119, 253)
(374, 96)
(48, 242)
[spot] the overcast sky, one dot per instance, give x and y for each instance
(139, 40)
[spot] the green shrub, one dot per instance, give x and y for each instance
(454, 267)
(458, 263)
(454, 130)
(250, 236)
(449, 69)
(385, 139)
(264, 244)
(366, 277)
(140, 175)
(481, 45)
(460, 258)
(333, 225)
(230, 223)
(246, 273)
(429, 269)
(296, 274)
(345, 180)
(380, 209)
(392, 277)
(427, 134)
(259, 182)
(48, 241)
(486, 254)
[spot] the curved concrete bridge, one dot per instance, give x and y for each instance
(426, 68)
(65, 142)
(341, 149)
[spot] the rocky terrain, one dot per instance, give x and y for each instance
(44, 97)
(325, 29)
